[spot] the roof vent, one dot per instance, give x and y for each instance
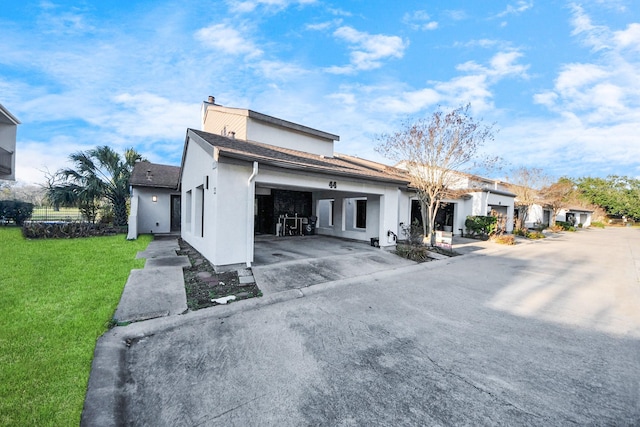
(232, 135)
(149, 176)
(212, 99)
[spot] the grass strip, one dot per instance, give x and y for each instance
(56, 298)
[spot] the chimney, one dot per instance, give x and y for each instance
(212, 99)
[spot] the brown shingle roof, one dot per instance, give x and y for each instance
(292, 159)
(146, 174)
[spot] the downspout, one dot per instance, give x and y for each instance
(250, 213)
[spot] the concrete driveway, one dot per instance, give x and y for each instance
(282, 263)
(543, 333)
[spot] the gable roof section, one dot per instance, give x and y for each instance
(147, 174)
(290, 159)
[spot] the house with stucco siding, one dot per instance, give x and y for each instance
(245, 174)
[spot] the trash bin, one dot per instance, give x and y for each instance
(310, 227)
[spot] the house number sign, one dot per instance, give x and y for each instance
(333, 184)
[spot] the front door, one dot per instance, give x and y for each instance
(175, 213)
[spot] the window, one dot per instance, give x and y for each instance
(187, 206)
(361, 213)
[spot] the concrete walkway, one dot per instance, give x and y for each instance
(158, 289)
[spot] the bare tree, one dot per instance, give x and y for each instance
(434, 151)
(526, 184)
(558, 196)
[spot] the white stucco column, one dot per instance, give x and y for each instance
(132, 233)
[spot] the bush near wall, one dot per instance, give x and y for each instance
(480, 226)
(15, 210)
(566, 226)
(67, 230)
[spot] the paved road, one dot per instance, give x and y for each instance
(544, 333)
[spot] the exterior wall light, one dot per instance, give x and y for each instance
(154, 198)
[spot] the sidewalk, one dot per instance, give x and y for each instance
(158, 289)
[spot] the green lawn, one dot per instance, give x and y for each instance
(56, 298)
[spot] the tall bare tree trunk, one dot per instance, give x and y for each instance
(425, 219)
(433, 208)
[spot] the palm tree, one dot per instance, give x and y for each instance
(99, 173)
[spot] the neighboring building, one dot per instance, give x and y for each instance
(155, 199)
(480, 196)
(8, 132)
(540, 216)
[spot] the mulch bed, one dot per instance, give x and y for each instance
(203, 283)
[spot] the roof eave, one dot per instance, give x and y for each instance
(317, 169)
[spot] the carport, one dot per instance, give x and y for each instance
(359, 204)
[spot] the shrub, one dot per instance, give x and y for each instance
(535, 235)
(566, 226)
(66, 230)
(598, 224)
(481, 226)
(504, 239)
(520, 232)
(413, 252)
(413, 233)
(15, 210)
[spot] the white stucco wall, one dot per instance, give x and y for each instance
(232, 223)
(197, 165)
(274, 135)
(229, 200)
(153, 217)
(476, 203)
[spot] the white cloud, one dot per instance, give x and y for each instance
(147, 115)
(277, 5)
(474, 86)
(32, 161)
(419, 20)
(320, 26)
(580, 149)
(597, 104)
(367, 50)
(606, 90)
(628, 38)
(227, 39)
(518, 8)
(456, 14)
(279, 70)
(595, 36)
(502, 64)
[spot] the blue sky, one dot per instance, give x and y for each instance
(561, 79)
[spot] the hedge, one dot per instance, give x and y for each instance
(15, 210)
(67, 230)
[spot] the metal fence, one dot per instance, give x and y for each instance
(47, 214)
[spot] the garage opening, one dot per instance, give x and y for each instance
(282, 212)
